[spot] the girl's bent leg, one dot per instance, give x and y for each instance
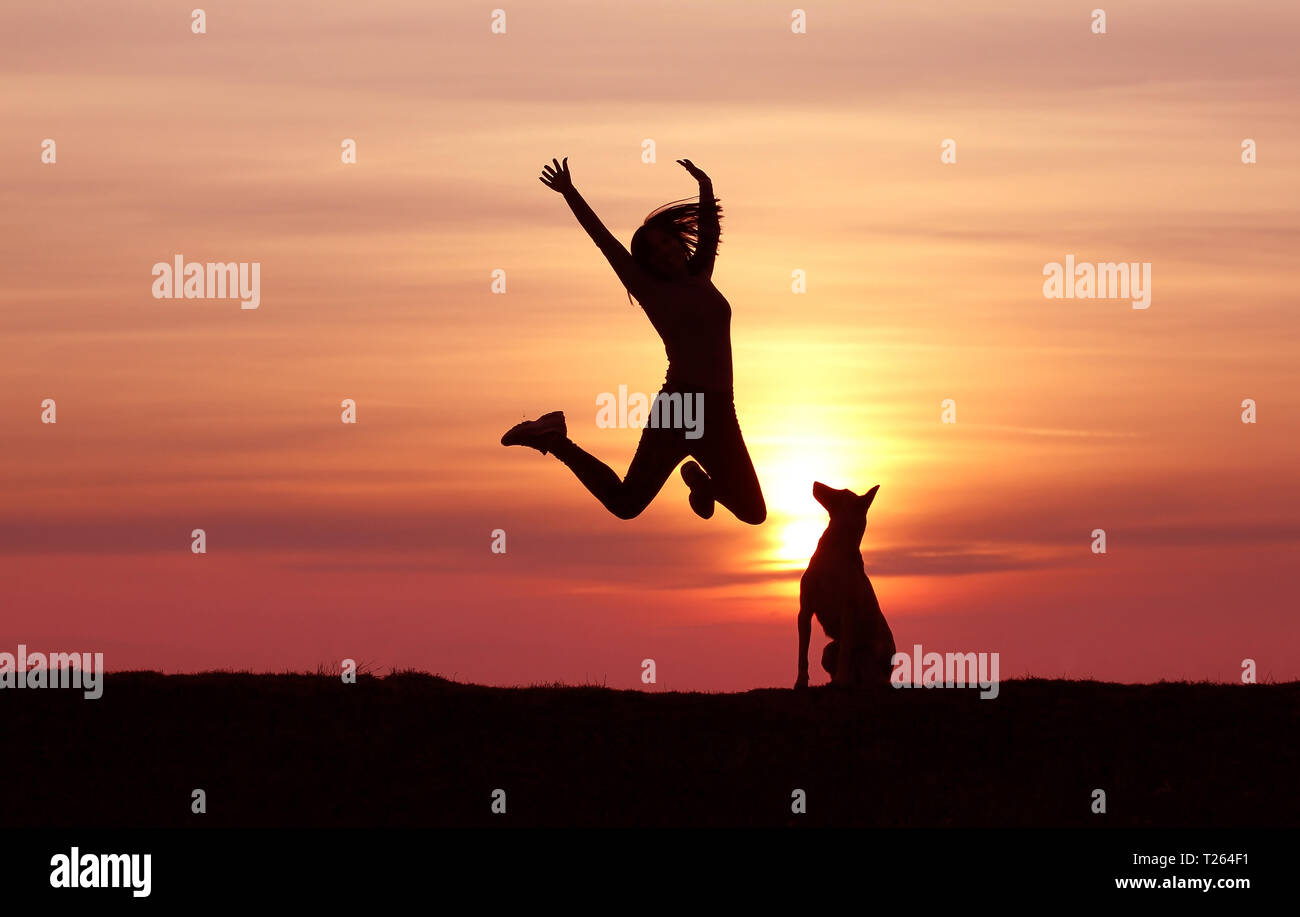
(735, 483)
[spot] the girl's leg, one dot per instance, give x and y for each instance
(735, 483)
(656, 456)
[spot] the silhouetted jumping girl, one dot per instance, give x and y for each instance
(668, 271)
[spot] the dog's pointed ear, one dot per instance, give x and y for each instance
(822, 493)
(867, 497)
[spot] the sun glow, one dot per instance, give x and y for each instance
(797, 519)
(796, 540)
(787, 470)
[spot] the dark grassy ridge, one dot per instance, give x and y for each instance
(420, 750)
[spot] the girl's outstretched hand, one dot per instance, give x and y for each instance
(696, 173)
(558, 178)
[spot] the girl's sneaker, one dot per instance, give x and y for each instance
(701, 486)
(542, 434)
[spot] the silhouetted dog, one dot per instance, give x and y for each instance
(835, 588)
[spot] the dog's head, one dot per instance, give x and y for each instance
(848, 510)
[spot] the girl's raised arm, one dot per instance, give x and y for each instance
(706, 245)
(634, 278)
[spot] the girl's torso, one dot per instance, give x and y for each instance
(694, 321)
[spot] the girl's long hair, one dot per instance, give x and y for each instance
(681, 219)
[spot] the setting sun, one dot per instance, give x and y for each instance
(796, 520)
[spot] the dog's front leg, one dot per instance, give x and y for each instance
(805, 634)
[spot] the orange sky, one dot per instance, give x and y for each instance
(924, 283)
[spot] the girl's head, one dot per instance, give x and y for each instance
(665, 242)
(660, 251)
